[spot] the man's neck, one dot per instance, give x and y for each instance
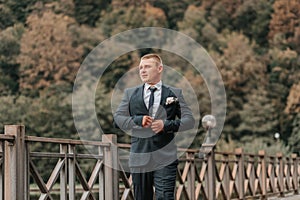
(152, 84)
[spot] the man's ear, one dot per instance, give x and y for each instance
(160, 68)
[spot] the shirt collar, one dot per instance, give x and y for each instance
(157, 85)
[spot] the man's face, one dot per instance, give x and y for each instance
(150, 71)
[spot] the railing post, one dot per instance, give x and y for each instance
(241, 176)
(111, 176)
(26, 154)
(101, 177)
(280, 175)
(226, 178)
(72, 171)
(295, 173)
(63, 174)
(263, 176)
(273, 175)
(251, 174)
(15, 176)
(191, 177)
(287, 173)
(211, 165)
(1, 170)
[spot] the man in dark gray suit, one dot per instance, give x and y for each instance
(154, 112)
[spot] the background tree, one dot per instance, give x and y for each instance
(294, 139)
(293, 100)
(20, 9)
(45, 116)
(48, 56)
(243, 73)
(193, 23)
(89, 11)
(7, 17)
(174, 11)
(9, 50)
(258, 115)
(283, 74)
(222, 12)
(124, 18)
(253, 18)
(293, 109)
(285, 22)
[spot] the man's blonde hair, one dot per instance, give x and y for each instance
(154, 56)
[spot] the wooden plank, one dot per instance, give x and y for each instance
(72, 171)
(110, 167)
(44, 197)
(81, 177)
(65, 141)
(127, 194)
(221, 174)
(87, 195)
(61, 155)
(9, 138)
(37, 178)
(198, 190)
(55, 173)
(87, 189)
(179, 192)
(211, 181)
(63, 174)
(14, 163)
(124, 177)
(101, 178)
(185, 171)
(203, 171)
(124, 146)
(95, 173)
(46, 155)
(181, 181)
(191, 179)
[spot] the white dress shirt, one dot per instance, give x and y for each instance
(157, 96)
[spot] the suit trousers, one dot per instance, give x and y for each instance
(163, 180)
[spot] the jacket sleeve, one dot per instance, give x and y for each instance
(122, 118)
(185, 119)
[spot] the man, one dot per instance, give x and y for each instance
(154, 112)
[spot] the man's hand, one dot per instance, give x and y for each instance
(147, 121)
(157, 126)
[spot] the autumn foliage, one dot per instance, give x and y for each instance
(254, 43)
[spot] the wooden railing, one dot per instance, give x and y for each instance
(22, 174)
(75, 169)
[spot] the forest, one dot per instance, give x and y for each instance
(255, 45)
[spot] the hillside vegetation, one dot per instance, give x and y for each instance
(254, 43)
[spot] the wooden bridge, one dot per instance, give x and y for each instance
(218, 175)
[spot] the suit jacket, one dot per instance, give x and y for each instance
(147, 148)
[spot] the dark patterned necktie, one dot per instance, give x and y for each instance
(151, 100)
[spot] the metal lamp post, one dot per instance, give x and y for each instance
(208, 123)
(207, 149)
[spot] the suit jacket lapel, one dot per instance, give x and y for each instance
(161, 112)
(140, 97)
(164, 94)
(137, 103)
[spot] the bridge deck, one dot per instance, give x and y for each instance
(289, 197)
